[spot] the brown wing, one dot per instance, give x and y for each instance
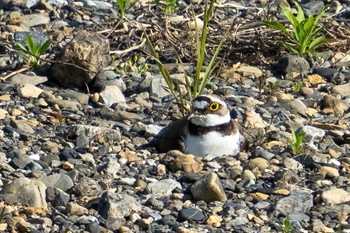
(173, 137)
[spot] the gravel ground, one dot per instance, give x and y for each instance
(79, 134)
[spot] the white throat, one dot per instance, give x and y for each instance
(210, 119)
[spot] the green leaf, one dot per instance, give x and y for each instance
(317, 42)
(44, 47)
(276, 25)
(21, 46)
(291, 18)
(300, 15)
(30, 43)
(309, 25)
(291, 48)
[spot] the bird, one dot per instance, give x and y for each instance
(208, 130)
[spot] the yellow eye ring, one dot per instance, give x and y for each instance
(214, 106)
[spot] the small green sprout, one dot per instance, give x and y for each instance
(123, 5)
(273, 86)
(306, 36)
(34, 51)
(287, 225)
(296, 86)
(297, 141)
(134, 66)
(167, 5)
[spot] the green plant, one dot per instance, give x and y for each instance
(132, 65)
(297, 141)
(304, 38)
(195, 85)
(273, 86)
(287, 225)
(123, 4)
(296, 86)
(34, 51)
(167, 5)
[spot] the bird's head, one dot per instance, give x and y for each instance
(209, 110)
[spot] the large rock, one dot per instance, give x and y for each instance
(335, 196)
(208, 189)
(87, 133)
(61, 181)
(82, 59)
(297, 202)
(343, 90)
(292, 63)
(25, 191)
(116, 205)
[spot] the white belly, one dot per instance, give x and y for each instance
(213, 143)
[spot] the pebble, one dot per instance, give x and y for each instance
(260, 163)
(163, 187)
(335, 196)
(208, 189)
(329, 171)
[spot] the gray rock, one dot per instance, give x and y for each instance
(82, 98)
(38, 37)
(112, 95)
(163, 187)
(68, 105)
(208, 189)
(292, 164)
(22, 126)
(25, 191)
(297, 106)
(82, 59)
(326, 72)
(297, 202)
(157, 87)
(292, 63)
(57, 197)
(87, 187)
(21, 161)
(298, 217)
(33, 20)
(312, 8)
(116, 205)
(28, 79)
(191, 214)
(61, 181)
(112, 168)
(86, 134)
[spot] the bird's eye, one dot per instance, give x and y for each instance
(214, 106)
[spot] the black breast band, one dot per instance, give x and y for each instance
(225, 128)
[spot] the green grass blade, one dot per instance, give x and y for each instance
(30, 43)
(276, 25)
(209, 69)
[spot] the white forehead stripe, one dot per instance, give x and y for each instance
(217, 100)
(200, 104)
